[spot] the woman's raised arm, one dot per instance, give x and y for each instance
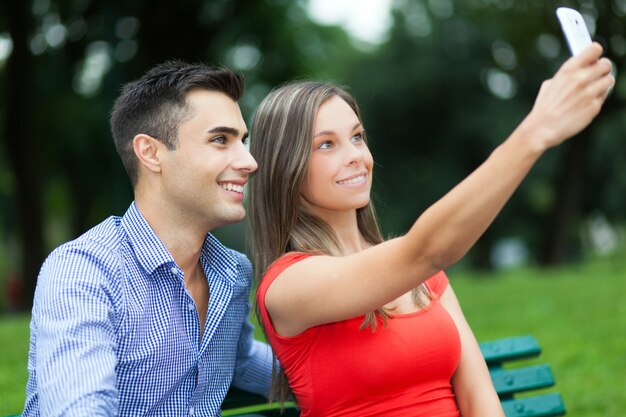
(323, 289)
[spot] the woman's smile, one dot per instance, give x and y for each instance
(354, 180)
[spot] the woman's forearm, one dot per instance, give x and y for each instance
(449, 228)
(565, 105)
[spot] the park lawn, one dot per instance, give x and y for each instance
(14, 334)
(576, 313)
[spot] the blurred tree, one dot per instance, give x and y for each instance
(68, 62)
(21, 150)
(453, 80)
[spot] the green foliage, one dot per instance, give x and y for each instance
(76, 57)
(434, 109)
(429, 99)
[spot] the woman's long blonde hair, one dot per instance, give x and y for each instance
(281, 135)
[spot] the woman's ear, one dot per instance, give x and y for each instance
(147, 151)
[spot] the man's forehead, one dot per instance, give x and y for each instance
(216, 109)
(201, 97)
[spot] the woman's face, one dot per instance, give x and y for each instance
(340, 169)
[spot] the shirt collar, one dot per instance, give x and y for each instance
(152, 253)
(149, 249)
(219, 258)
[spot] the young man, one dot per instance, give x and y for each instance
(147, 314)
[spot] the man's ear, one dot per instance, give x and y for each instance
(147, 151)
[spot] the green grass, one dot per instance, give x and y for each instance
(577, 314)
(14, 335)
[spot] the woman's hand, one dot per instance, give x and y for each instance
(569, 101)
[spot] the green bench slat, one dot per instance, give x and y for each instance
(547, 405)
(509, 381)
(509, 348)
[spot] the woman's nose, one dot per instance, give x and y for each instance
(354, 154)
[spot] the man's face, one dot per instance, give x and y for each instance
(205, 175)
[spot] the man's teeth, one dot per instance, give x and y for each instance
(233, 187)
(353, 180)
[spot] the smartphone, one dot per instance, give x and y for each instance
(574, 28)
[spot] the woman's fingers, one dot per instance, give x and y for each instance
(593, 79)
(587, 65)
(601, 78)
(600, 69)
(570, 100)
(605, 66)
(604, 86)
(588, 56)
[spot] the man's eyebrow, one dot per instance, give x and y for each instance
(329, 132)
(229, 130)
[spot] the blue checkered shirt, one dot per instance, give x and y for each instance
(115, 332)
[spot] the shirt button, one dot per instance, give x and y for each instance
(174, 271)
(191, 410)
(190, 306)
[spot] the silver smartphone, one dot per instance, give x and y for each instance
(574, 28)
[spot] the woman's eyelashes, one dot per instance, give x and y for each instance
(327, 144)
(359, 137)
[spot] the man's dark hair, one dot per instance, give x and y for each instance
(156, 104)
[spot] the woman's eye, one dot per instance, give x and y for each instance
(358, 137)
(325, 145)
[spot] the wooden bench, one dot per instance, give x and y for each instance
(508, 383)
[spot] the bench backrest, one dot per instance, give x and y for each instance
(511, 381)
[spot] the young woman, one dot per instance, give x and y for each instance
(366, 327)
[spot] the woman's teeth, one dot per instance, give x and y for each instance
(354, 180)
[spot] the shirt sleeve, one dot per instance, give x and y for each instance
(72, 358)
(253, 367)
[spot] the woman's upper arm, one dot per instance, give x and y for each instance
(474, 391)
(324, 289)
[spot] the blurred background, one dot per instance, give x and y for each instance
(440, 83)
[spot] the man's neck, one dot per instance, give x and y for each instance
(182, 237)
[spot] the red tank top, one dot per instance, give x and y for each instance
(402, 369)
